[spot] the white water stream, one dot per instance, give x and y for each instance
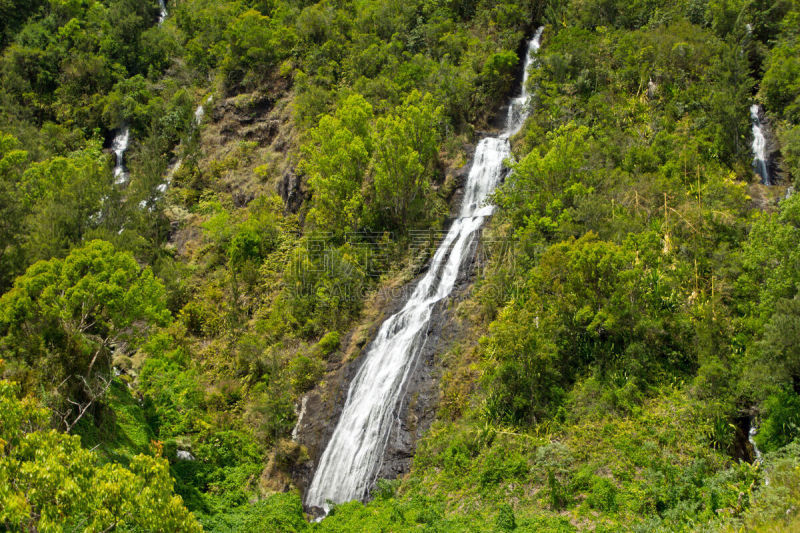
(162, 14)
(751, 439)
(198, 114)
(759, 146)
(119, 146)
(759, 457)
(121, 141)
(300, 416)
(350, 463)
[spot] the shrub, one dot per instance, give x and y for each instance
(329, 343)
(505, 518)
(782, 421)
(603, 495)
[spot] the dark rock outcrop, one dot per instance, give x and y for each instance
(291, 191)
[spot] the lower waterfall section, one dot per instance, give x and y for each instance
(349, 464)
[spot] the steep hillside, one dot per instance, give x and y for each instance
(210, 207)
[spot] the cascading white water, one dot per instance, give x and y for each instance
(759, 459)
(517, 107)
(351, 461)
(751, 439)
(759, 146)
(300, 416)
(200, 112)
(119, 146)
(122, 139)
(162, 14)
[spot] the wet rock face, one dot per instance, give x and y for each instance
(742, 448)
(323, 408)
(458, 177)
(417, 408)
(291, 191)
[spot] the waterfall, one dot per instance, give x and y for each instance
(162, 14)
(351, 461)
(119, 146)
(122, 139)
(300, 416)
(759, 146)
(200, 112)
(517, 107)
(750, 438)
(759, 456)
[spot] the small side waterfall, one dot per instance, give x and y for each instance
(301, 413)
(162, 15)
(759, 459)
(759, 146)
(200, 112)
(750, 438)
(119, 146)
(122, 139)
(351, 461)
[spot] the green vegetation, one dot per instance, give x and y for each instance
(63, 319)
(644, 308)
(48, 482)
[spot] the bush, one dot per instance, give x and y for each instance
(305, 371)
(329, 343)
(556, 492)
(603, 495)
(505, 518)
(781, 422)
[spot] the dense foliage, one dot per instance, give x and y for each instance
(48, 482)
(642, 313)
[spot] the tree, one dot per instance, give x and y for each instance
(543, 184)
(13, 160)
(335, 161)
(774, 360)
(64, 319)
(13, 14)
(587, 304)
(253, 46)
(406, 145)
(63, 197)
(780, 87)
(498, 74)
(48, 482)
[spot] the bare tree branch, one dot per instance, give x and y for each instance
(93, 397)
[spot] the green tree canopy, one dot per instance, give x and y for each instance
(336, 160)
(48, 482)
(406, 146)
(64, 319)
